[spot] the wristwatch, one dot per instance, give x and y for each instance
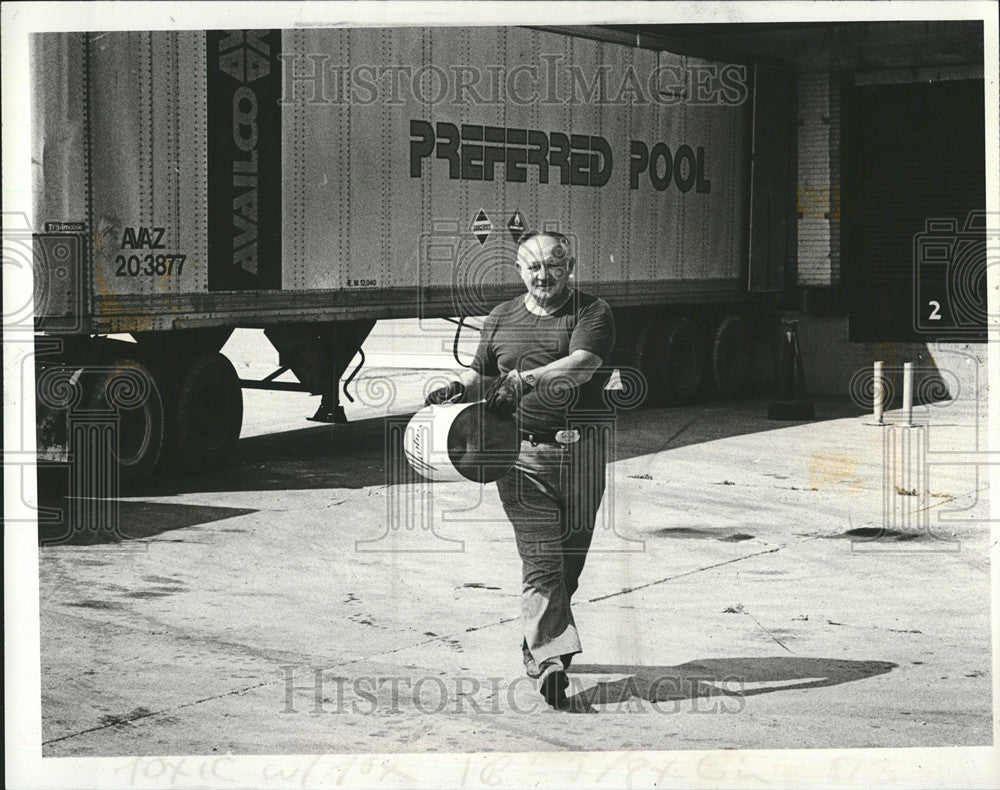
(529, 380)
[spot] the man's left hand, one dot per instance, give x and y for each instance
(507, 393)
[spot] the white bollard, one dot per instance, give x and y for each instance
(907, 393)
(878, 393)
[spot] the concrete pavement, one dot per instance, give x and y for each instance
(734, 598)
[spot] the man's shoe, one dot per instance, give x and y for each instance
(553, 684)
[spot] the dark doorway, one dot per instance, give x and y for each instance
(773, 99)
(914, 153)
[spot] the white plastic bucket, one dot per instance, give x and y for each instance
(461, 441)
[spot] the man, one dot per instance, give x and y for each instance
(542, 350)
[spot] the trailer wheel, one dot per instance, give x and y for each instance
(670, 358)
(731, 356)
(127, 388)
(205, 413)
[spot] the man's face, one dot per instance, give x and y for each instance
(544, 265)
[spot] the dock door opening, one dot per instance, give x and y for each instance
(912, 153)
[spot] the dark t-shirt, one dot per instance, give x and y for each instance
(514, 337)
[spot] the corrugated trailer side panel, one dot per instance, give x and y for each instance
(59, 134)
(316, 170)
(147, 114)
(59, 179)
(636, 236)
(126, 147)
(616, 232)
(717, 248)
(523, 47)
(190, 134)
(456, 202)
(582, 203)
(375, 162)
(353, 216)
(554, 117)
(646, 250)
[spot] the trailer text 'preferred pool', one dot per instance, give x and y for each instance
(474, 152)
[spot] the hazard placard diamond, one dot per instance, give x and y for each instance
(482, 226)
(517, 225)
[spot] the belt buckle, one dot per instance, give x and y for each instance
(568, 436)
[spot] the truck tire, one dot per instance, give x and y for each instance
(126, 387)
(670, 358)
(205, 413)
(730, 360)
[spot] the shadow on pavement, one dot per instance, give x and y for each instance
(369, 452)
(355, 455)
(124, 520)
(719, 677)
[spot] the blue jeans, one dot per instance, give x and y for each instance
(551, 497)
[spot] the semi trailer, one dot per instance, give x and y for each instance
(311, 182)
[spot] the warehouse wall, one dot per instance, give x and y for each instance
(837, 368)
(818, 203)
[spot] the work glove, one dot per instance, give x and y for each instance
(450, 393)
(504, 397)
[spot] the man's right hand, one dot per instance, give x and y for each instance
(450, 393)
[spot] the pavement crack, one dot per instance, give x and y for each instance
(678, 432)
(628, 590)
(786, 647)
(878, 628)
(150, 714)
(255, 687)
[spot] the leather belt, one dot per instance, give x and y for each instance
(552, 437)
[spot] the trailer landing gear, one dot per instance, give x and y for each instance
(318, 355)
(793, 401)
(329, 411)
